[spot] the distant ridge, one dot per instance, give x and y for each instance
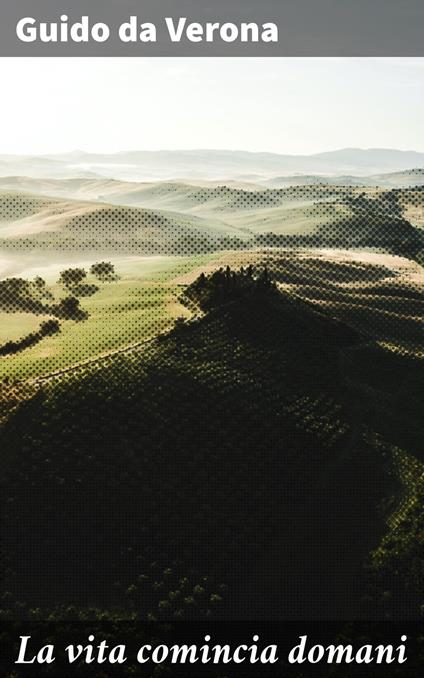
(203, 164)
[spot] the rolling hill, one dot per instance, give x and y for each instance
(28, 221)
(177, 218)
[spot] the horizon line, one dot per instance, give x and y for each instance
(200, 149)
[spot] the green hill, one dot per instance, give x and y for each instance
(32, 223)
(261, 435)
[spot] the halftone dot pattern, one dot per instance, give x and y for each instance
(213, 411)
(14, 207)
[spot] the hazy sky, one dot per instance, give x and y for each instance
(279, 105)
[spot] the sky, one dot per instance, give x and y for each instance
(284, 105)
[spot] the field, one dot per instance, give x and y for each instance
(15, 325)
(145, 301)
(137, 307)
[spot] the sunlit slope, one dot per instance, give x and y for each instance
(109, 189)
(142, 303)
(412, 202)
(179, 218)
(30, 221)
(16, 206)
(379, 294)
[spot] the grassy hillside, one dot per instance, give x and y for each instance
(276, 459)
(142, 303)
(15, 206)
(33, 223)
(13, 326)
(380, 294)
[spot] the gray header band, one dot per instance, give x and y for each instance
(305, 27)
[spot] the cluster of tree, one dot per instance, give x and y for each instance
(386, 204)
(46, 329)
(33, 296)
(225, 285)
(70, 277)
(18, 294)
(73, 279)
(104, 271)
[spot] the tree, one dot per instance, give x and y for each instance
(49, 327)
(39, 283)
(180, 324)
(70, 309)
(104, 271)
(223, 286)
(17, 293)
(72, 276)
(40, 288)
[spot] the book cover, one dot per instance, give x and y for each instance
(211, 338)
